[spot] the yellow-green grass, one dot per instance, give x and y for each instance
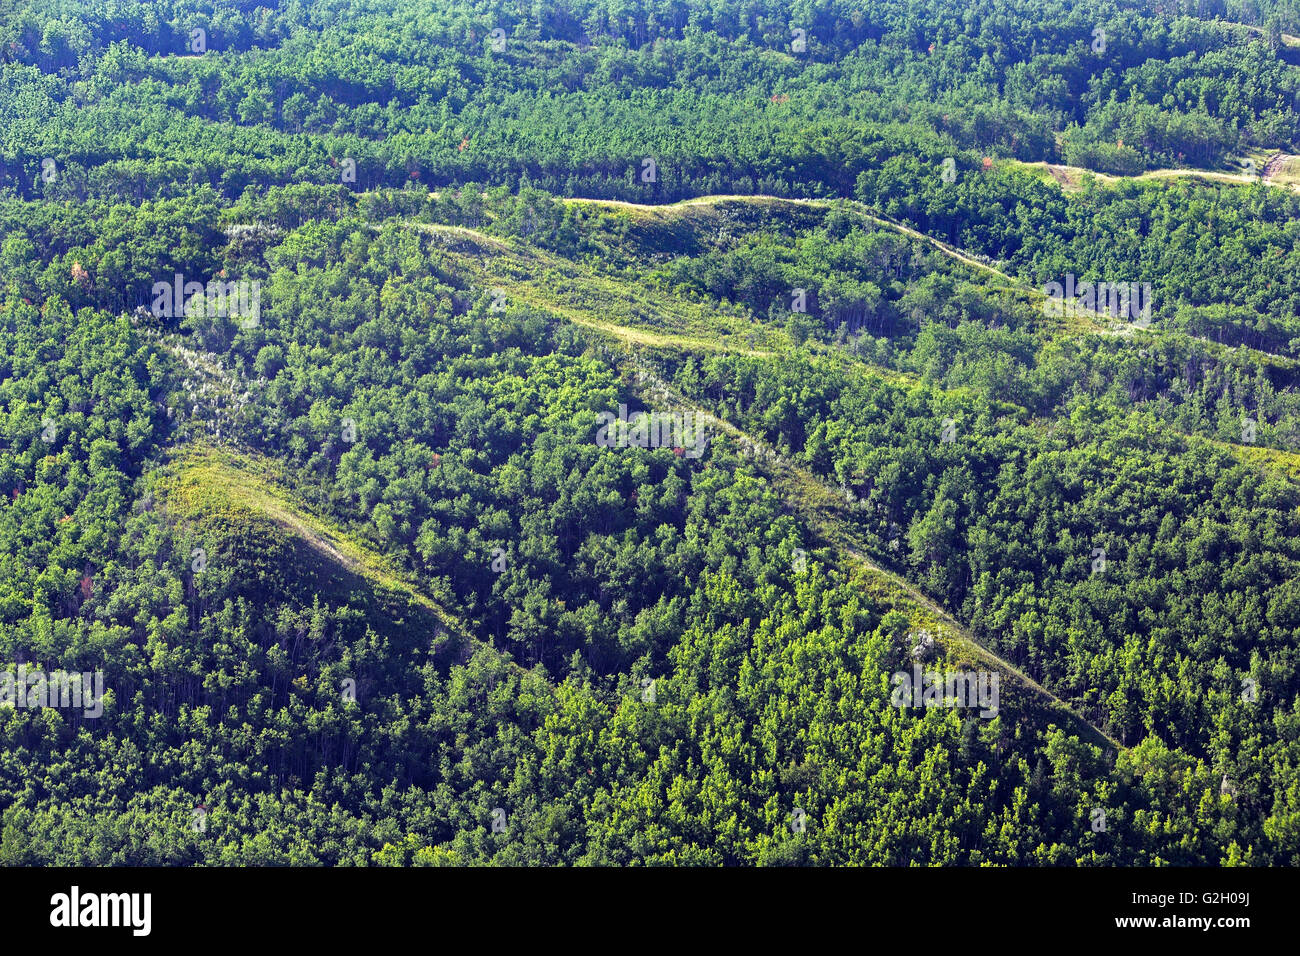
(647, 316)
(1073, 179)
(1274, 459)
(594, 301)
(238, 507)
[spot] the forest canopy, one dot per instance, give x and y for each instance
(362, 582)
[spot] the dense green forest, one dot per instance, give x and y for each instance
(364, 585)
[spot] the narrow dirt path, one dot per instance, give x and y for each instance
(1070, 177)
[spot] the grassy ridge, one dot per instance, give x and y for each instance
(235, 500)
(590, 300)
